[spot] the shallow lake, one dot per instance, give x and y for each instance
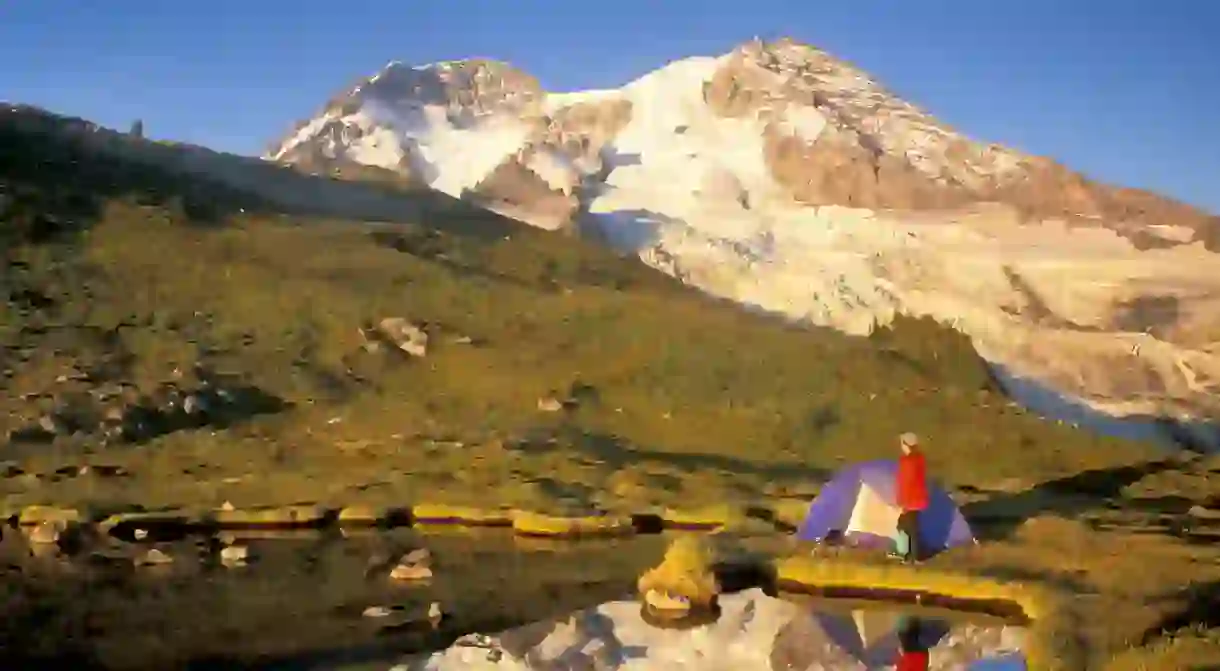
(303, 602)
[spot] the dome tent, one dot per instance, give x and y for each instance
(860, 503)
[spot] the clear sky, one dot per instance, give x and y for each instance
(1124, 90)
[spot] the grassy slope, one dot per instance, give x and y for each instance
(696, 402)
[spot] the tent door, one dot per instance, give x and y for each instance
(873, 514)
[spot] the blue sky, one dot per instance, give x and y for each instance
(1124, 90)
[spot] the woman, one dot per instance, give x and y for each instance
(912, 496)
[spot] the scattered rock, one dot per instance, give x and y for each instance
(53, 425)
(404, 335)
(195, 404)
(234, 555)
(410, 573)
(154, 557)
(377, 611)
(415, 566)
(550, 404)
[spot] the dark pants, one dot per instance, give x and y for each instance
(908, 523)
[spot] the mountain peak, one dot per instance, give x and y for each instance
(826, 132)
(479, 83)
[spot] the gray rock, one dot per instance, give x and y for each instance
(408, 337)
(52, 424)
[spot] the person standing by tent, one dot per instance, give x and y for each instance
(912, 497)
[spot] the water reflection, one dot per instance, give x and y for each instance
(877, 637)
(754, 631)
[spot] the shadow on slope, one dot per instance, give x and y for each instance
(1000, 515)
(1194, 436)
(628, 231)
(88, 164)
(1196, 605)
(616, 452)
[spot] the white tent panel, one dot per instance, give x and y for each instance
(872, 514)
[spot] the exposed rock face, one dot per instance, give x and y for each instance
(515, 187)
(582, 130)
(825, 117)
(545, 179)
(863, 147)
(837, 170)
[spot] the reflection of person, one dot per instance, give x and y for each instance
(913, 653)
(912, 495)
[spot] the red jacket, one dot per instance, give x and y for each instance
(912, 661)
(912, 482)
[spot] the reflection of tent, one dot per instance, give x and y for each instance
(860, 503)
(871, 635)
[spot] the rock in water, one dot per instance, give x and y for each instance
(154, 557)
(234, 555)
(406, 572)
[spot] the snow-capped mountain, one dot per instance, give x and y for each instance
(781, 177)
